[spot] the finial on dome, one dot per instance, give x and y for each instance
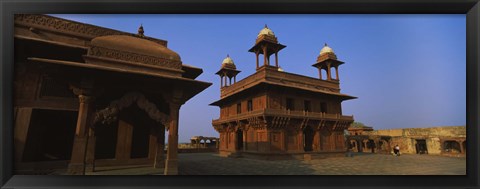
(326, 45)
(266, 26)
(140, 30)
(228, 55)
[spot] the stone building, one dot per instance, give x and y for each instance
(275, 114)
(450, 141)
(87, 96)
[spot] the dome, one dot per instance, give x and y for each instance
(227, 60)
(280, 69)
(326, 49)
(266, 31)
(228, 63)
(136, 45)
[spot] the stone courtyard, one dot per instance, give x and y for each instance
(360, 164)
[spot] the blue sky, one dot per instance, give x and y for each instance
(406, 70)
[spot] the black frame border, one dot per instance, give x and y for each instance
(10, 7)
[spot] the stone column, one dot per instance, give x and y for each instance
(329, 74)
(336, 71)
(256, 54)
(244, 140)
(462, 151)
(276, 58)
(264, 55)
(320, 73)
(90, 159)
(225, 80)
(22, 123)
(159, 161)
(171, 164)
(79, 151)
(221, 81)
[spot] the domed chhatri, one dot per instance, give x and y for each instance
(326, 53)
(266, 31)
(228, 63)
(326, 49)
(227, 72)
(228, 60)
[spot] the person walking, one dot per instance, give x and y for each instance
(396, 150)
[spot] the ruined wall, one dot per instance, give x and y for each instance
(407, 138)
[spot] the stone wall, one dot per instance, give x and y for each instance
(407, 138)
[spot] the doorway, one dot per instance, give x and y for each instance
(239, 139)
(50, 135)
(308, 139)
(421, 146)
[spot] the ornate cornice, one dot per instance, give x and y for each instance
(78, 29)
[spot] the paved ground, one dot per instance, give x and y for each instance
(365, 164)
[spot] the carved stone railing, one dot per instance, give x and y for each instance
(285, 113)
(281, 78)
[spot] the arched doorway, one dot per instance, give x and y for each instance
(451, 147)
(308, 139)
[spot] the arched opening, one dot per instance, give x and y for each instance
(371, 145)
(359, 146)
(451, 147)
(333, 74)
(308, 139)
(239, 139)
(324, 74)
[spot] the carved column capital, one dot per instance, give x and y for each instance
(85, 99)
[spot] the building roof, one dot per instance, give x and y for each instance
(138, 45)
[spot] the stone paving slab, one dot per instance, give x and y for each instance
(360, 164)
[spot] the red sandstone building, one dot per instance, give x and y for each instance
(273, 113)
(87, 96)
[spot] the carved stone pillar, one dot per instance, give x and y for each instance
(329, 74)
(90, 159)
(336, 73)
(276, 59)
(221, 81)
(462, 151)
(171, 163)
(264, 55)
(79, 151)
(256, 55)
(22, 123)
(159, 161)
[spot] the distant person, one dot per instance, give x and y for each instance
(396, 150)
